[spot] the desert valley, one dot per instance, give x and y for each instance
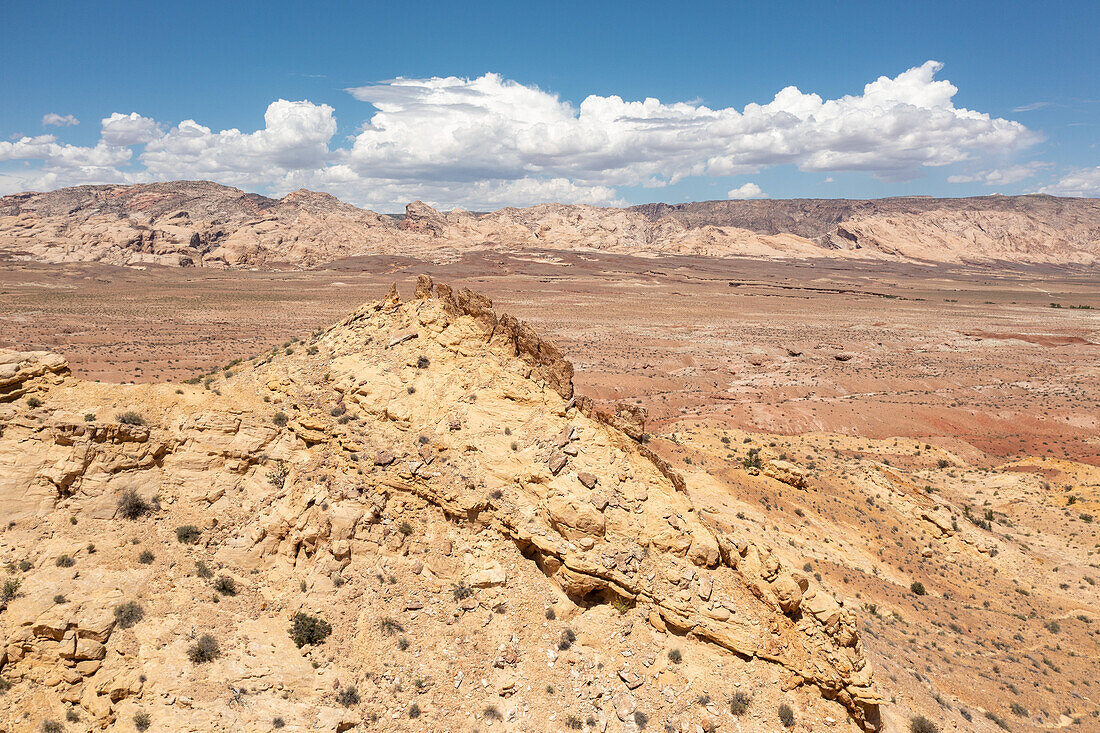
(745, 465)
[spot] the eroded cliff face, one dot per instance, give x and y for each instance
(186, 224)
(486, 546)
(198, 223)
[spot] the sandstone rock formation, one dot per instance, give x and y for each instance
(186, 223)
(418, 466)
(198, 223)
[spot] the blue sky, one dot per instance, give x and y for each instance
(493, 108)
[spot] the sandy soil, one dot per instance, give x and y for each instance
(895, 388)
(882, 350)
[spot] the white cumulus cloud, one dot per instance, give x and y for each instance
(60, 164)
(1082, 182)
(52, 119)
(747, 191)
(1001, 176)
(131, 129)
(295, 136)
(467, 129)
(489, 141)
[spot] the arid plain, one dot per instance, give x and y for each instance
(941, 423)
(871, 349)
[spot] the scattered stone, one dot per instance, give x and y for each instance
(402, 338)
(557, 462)
(631, 679)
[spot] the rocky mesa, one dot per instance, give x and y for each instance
(408, 521)
(199, 223)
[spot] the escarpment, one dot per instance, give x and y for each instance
(420, 474)
(203, 224)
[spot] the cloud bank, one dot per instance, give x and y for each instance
(487, 142)
(1082, 182)
(52, 119)
(1001, 176)
(747, 191)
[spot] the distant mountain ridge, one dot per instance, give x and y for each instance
(199, 223)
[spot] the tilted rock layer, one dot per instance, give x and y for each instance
(198, 223)
(422, 477)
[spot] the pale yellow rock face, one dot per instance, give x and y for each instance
(202, 224)
(393, 476)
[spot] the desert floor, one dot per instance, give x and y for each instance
(894, 388)
(785, 347)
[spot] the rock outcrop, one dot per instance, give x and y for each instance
(378, 449)
(22, 371)
(198, 223)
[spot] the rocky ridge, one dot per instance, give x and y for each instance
(419, 466)
(198, 223)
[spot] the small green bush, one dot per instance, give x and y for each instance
(10, 590)
(278, 723)
(414, 710)
(142, 721)
(753, 459)
(89, 417)
(131, 505)
(34, 402)
(129, 613)
(921, 724)
(739, 703)
(64, 561)
(306, 629)
(348, 696)
(675, 656)
(225, 585)
(917, 588)
(204, 650)
(390, 626)
(786, 715)
(188, 534)
(276, 475)
(146, 557)
(130, 418)
(202, 570)
(461, 591)
(280, 419)
(72, 716)
(51, 726)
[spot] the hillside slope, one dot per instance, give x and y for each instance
(189, 223)
(487, 548)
